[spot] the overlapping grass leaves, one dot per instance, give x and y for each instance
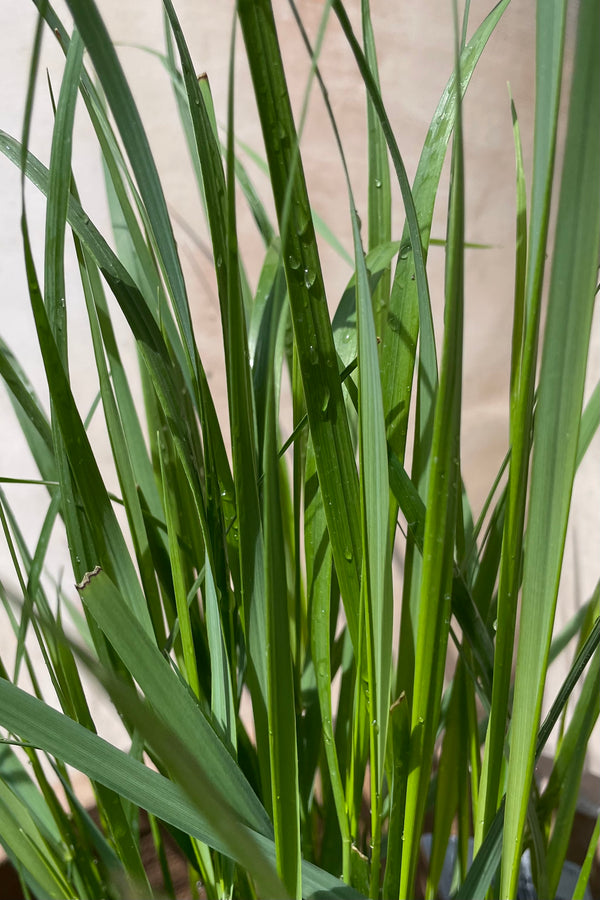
(221, 596)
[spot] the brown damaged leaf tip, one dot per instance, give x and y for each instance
(87, 578)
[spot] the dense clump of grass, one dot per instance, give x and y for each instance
(238, 575)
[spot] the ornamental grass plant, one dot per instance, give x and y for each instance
(247, 561)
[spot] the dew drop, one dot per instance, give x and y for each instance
(348, 554)
(309, 277)
(302, 221)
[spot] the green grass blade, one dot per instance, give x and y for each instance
(550, 35)
(166, 693)
(409, 301)
(566, 773)
(144, 327)
(21, 836)
(312, 328)
(590, 422)
(54, 831)
(509, 568)
(321, 226)
(438, 544)
(218, 826)
(399, 748)
(379, 189)
(579, 890)
(487, 860)
(575, 625)
(519, 319)
(133, 466)
(115, 86)
(558, 414)
(221, 215)
(58, 195)
(206, 150)
(54, 288)
(414, 237)
(109, 542)
(30, 413)
(65, 739)
(174, 530)
(400, 335)
(574, 675)
(243, 422)
(21, 783)
(222, 701)
(318, 578)
(376, 552)
(282, 704)
(450, 780)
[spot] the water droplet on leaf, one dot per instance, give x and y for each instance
(309, 277)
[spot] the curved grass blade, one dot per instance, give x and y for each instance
(400, 335)
(409, 302)
(108, 538)
(101, 528)
(110, 73)
(166, 693)
(79, 538)
(414, 241)
(179, 806)
(68, 741)
(142, 323)
(30, 413)
(133, 466)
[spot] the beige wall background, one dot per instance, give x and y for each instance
(415, 46)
